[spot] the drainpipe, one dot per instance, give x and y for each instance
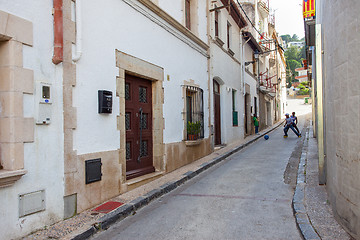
(58, 32)
(243, 65)
(78, 53)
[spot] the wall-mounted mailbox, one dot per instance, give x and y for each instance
(93, 170)
(105, 101)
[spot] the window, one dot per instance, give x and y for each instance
(228, 32)
(216, 23)
(187, 14)
(194, 113)
(234, 112)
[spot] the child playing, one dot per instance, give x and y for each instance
(295, 121)
(289, 124)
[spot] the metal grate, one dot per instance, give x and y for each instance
(195, 108)
(127, 121)
(128, 150)
(144, 148)
(143, 123)
(93, 170)
(142, 95)
(127, 91)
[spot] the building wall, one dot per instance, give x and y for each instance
(226, 68)
(143, 44)
(29, 25)
(342, 109)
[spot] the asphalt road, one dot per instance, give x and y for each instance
(244, 197)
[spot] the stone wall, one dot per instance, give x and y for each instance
(341, 34)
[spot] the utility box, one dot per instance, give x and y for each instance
(105, 101)
(30, 203)
(43, 91)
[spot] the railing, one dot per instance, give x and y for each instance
(266, 83)
(264, 3)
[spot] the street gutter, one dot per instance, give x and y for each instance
(298, 203)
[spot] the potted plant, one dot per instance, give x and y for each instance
(193, 130)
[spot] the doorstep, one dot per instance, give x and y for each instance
(144, 179)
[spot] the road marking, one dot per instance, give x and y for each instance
(233, 197)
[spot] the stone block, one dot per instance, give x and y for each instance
(20, 30)
(69, 30)
(67, 50)
(69, 74)
(11, 104)
(11, 54)
(120, 87)
(11, 130)
(67, 9)
(12, 156)
(70, 116)
(3, 22)
(70, 162)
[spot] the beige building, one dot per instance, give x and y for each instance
(333, 40)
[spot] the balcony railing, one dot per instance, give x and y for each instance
(264, 4)
(265, 83)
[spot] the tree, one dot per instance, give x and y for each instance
(302, 54)
(293, 53)
(286, 38)
(295, 38)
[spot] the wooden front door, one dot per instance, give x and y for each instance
(217, 120)
(138, 125)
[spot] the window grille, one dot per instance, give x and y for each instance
(194, 114)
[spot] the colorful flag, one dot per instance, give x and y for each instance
(308, 8)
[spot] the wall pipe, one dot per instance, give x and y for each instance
(58, 32)
(78, 53)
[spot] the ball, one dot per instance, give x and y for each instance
(266, 137)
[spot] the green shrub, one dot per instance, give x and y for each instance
(193, 128)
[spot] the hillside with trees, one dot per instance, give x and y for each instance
(294, 57)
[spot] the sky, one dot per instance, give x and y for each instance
(288, 17)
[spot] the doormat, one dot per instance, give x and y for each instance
(107, 207)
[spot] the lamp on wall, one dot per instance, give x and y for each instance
(256, 54)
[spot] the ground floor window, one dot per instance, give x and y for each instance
(194, 113)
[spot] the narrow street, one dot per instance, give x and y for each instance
(244, 197)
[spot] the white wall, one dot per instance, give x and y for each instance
(135, 35)
(176, 8)
(43, 159)
(248, 56)
(225, 68)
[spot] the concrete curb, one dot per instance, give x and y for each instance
(298, 203)
(130, 208)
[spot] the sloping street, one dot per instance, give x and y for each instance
(243, 198)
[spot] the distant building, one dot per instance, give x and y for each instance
(302, 74)
(296, 44)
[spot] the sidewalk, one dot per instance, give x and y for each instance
(89, 222)
(312, 210)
